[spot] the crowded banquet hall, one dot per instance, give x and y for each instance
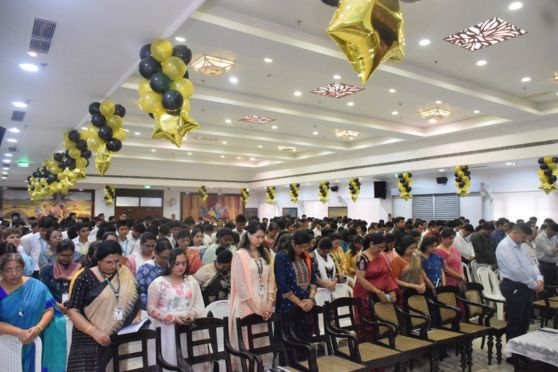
(265, 185)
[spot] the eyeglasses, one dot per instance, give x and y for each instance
(14, 270)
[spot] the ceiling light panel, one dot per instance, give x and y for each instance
(337, 90)
(485, 34)
(257, 119)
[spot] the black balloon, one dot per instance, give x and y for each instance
(145, 51)
(410, 175)
(331, 2)
(148, 66)
(58, 156)
(186, 75)
(73, 135)
(69, 163)
(94, 108)
(555, 159)
(182, 52)
(541, 160)
(172, 100)
(543, 166)
(82, 145)
(105, 133)
(51, 178)
(119, 110)
(98, 120)
(548, 172)
(461, 184)
(159, 82)
(114, 145)
(36, 174)
(86, 154)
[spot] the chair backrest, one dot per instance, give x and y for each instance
(38, 354)
(495, 283)
(341, 313)
(342, 290)
(467, 272)
(202, 341)
(319, 334)
(483, 273)
(415, 303)
(322, 296)
(448, 296)
(473, 293)
(247, 330)
(10, 355)
(218, 309)
(121, 354)
(385, 312)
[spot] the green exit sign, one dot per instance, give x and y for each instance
(23, 164)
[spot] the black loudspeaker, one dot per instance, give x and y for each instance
(380, 188)
(334, 188)
(442, 180)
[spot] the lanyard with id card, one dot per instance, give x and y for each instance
(118, 312)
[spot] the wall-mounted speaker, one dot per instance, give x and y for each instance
(380, 188)
(442, 180)
(334, 188)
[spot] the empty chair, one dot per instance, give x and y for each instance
(467, 272)
(342, 290)
(491, 292)
(322, 296)
(38, 354)
(218, 309)
(10, 355)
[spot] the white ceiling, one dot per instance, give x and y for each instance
(95, 51)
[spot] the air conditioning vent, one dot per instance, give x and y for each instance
(18, 115)
(41, 36)
(12, 149)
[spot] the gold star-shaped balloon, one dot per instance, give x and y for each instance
(547, 187)
(174, 127)
(65, 186)
(103, 158)
(369, 32)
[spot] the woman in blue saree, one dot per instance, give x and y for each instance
(26, 311)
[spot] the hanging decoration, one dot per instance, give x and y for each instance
(324, 191)
(202, 192)
(548, 173)
(244, 195)
(270, 194)
(405, 184)
(462, 179)
(294, 191)
(369, 32)
(165, 92)
(106, 134)
(354, 188)
(110, 194)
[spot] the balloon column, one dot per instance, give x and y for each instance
(324, 191)
(166, 89)
(405, 184)
(369, 32)
(354, 188)
(244, 195)
(294, 191)
(110, 194)
(202, 192)
(270, 194)
(548, 172)
(462, 179)
(106, 134)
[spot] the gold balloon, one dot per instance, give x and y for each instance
(144, 87)
(174, 128)
(87, 133)
(151, 102)
(81, 163)
(68, 145)
(119, 134)
(186, 105)
(103, 158)
(107, 108)
(184, 87)
(174, 68)
(161, 49)
(369, 32)
(94, 142)
(74, 153)
(115, 122)
(78, 174)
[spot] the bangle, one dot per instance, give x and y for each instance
(88, 328)
(39, 326)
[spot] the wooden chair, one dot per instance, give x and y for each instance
(474, 293)
(390, 313)
(255, 363)
(143, 336)
(548, 306)
(420, 324)
(341, 311)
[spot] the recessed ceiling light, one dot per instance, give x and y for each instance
(424, 42)
(438, 102)
(516, 5)
(476, 112)
(137, 133)
(525, 79)
(441, 170)
(239, 157)
(12, 140)
(253, 159)
(189, 153)
(315, 133)
(336, 77)
(298, 93)
(6, 160)
(29, 67)
(4, 177)
(481, 62)
(224, 142)
(19, 104)
(432, 121)
(395, 113)
(6, 168)
(336, 180)
(274, 127)
(511, 164)
(307, 184)
(222, 156)
(233, 80)
(32, 54)
(268, 60)
(153, 150)
(260, 146)
(350, 103)
(228, 121)
(391, 90)
(5, 173)
(180, 39)
(16, 130)
(8, 155)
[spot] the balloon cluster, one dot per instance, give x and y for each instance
(462, 179)
(245, 195)
(270, 194)
(405, 183)
(294, 191)
(165, 92)
(354, 188)
(202, 192)
(106, 134)
(548, 172)
(110, 194)
(323, 191)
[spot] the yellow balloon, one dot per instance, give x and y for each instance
(185, 106)
(150, 102)
(174, 68)
(81, 163)
(119, 134)
(87, 133)
(56, 169)
(184, 87)
(161, 49)
(107, 108)
(69, 145)
(115, 122)
(43, 181)
(144, 87)
(94, 142)
(74, 153)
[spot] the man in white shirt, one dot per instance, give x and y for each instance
(208, 235)
(547, 253)
(240, 223)
(122, 232)
(82, 241)
(38, 243)
(462, 242)
(134, 236)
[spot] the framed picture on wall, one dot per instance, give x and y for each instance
(250, 213)
(336, 212)
(291, 212)
(222, 206)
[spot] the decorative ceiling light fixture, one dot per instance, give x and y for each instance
(212, 66)
(436, 113)
(205, 139)
(256, 119)
(344, 134)
(336, 90)
(287, 148)
(555, 77)
(484, 34)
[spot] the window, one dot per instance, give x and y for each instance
(127, 201)
(436, 207)
(151, 202)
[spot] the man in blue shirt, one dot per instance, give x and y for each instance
(501, 228)
(521, 277)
